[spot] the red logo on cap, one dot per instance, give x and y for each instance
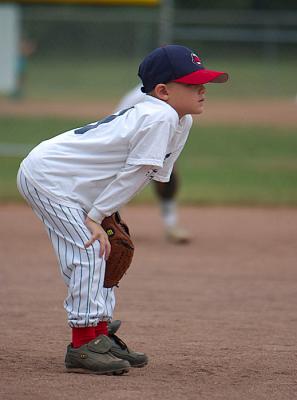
(195, 59)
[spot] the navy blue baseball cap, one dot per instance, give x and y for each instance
(174, 63)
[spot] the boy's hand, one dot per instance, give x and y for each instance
(98, 233)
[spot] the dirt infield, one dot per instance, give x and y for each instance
(217, 317)
(275, 112)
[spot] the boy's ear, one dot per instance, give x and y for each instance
(161, 91)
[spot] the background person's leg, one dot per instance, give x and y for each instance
(166, 193)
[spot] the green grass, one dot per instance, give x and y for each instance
(108, 80)
(255, 78)
(219, 165)
(100, 79)
(247, 166)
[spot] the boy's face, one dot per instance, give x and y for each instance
(186, 99)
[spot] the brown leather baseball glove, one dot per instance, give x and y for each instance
(122, 249)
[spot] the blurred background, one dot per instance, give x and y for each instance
(65, 63)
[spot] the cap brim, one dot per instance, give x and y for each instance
(203, 76)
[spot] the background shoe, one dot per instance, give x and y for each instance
(121, 350)
(95, 357)
(178, 235)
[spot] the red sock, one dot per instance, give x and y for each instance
(102, 328)
(82, 336)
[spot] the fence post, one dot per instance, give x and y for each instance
(9, 46)
(166, 22)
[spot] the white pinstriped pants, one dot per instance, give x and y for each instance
(87, 301)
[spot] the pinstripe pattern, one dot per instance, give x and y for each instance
(82, 269)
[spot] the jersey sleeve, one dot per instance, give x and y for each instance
(148, 145)
(163, 174)
(130, 180)
(174, 150)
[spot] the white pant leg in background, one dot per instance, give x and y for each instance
(87, 302)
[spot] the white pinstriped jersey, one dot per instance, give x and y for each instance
(76, 167)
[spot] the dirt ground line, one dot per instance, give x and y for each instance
(274, 112)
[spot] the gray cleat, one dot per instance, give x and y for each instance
(95, 357)
(121, 350)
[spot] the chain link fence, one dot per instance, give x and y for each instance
(91, 31)
(91, 51)
(75, 31)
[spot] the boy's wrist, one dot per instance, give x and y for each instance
(92, 220)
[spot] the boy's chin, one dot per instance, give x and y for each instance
(199, 111)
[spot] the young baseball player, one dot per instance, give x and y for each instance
(166, 192)
(76, 179)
